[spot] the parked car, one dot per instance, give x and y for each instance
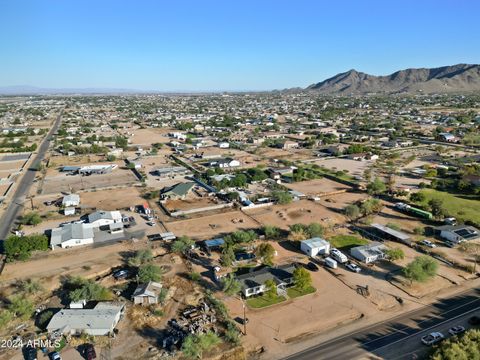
(55, 356)
(330, 263)
(474, 320)
(312, 266)
(151, 223)
(428, 243)
(121, 274)
(30, 353)
(456, 330)
(432, 338)
(90, 353)
(450, 244)
(353, 267)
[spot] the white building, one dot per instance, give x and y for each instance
(104, 218)
(369, 253)
(71, 200)
(71, 235)
(223, 145)
(99, 321)
(315, 246)
(458, 233)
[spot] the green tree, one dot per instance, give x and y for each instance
(464, 347)
(271, 289)
(194, 346)
(395, 254)
(20, 247)
(5, 318)
(232, 334)
(302, 278)
(421, 269)
(182, 245)
(315, 230)
(141, 257)
(21, 307)
(282, 197)
(84, 289)
(271, 232)
(149, 272)
(377, 186)
(370, 206)
(266, 252)
(228, 255)
(230, 285)
(31, 218)
(352, 211)
(436, 206)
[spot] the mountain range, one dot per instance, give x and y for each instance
(452, 79)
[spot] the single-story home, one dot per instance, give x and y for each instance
(72, 235)
(177, 191)
(147, 294)
(314, 246)
(99, 321)
(103, 218)
(369, 253)
(458, 233)
(253, 283)
(224, 163)
(71, 200)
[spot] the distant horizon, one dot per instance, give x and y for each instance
(217, 46)
(124, 90)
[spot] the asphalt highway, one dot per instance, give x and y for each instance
(17, 202)
(400, 337)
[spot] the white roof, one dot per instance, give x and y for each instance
(72, 198)
(316, 242)
(101, 214)
(103, 316)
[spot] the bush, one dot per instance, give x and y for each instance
(31, 218)
(5, 317)
(149, 272)
(421, 269)
(141, 257)
(182, 245)
(282, 197)
(44, 318)
(302, 278)
(271, 232)
(82, 289)
(395, 254)
(21, 307)
(232, 334)
(20, 247)
(352, 212)
(194, 345)
(266, 252)
(465, 346)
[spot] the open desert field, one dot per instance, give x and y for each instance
(67, 183)
(317, 186)
(211, 226)
(147, 137)
(354, 167)
(302, 211)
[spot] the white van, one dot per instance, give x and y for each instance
(330, 263)
(338, 256)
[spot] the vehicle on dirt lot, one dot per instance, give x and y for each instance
(312, 266)
(428, 243)
(353, 267)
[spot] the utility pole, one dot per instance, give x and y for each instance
(244, 319)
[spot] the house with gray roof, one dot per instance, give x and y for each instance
(99, 321)
(71, 235)
(253, 283)
(147, 294)
(369, 253)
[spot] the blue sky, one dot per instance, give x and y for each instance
(227, 45)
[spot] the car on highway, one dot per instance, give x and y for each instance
(353, 267)
(428, 243)
(474, 320)
(311, 266)
(432, 338)
(456, 330)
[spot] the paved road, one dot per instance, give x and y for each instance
(398, 338)
(16, 203)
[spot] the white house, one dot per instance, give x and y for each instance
(369, 253)
(315, 246)
(104, 218)
(71, 200)
(223, 145)
(99, 321)
(147, 294)
(71, 235)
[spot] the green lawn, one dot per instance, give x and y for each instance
(294, 293)
(466, 209)
(262, 301)
(346, 241)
